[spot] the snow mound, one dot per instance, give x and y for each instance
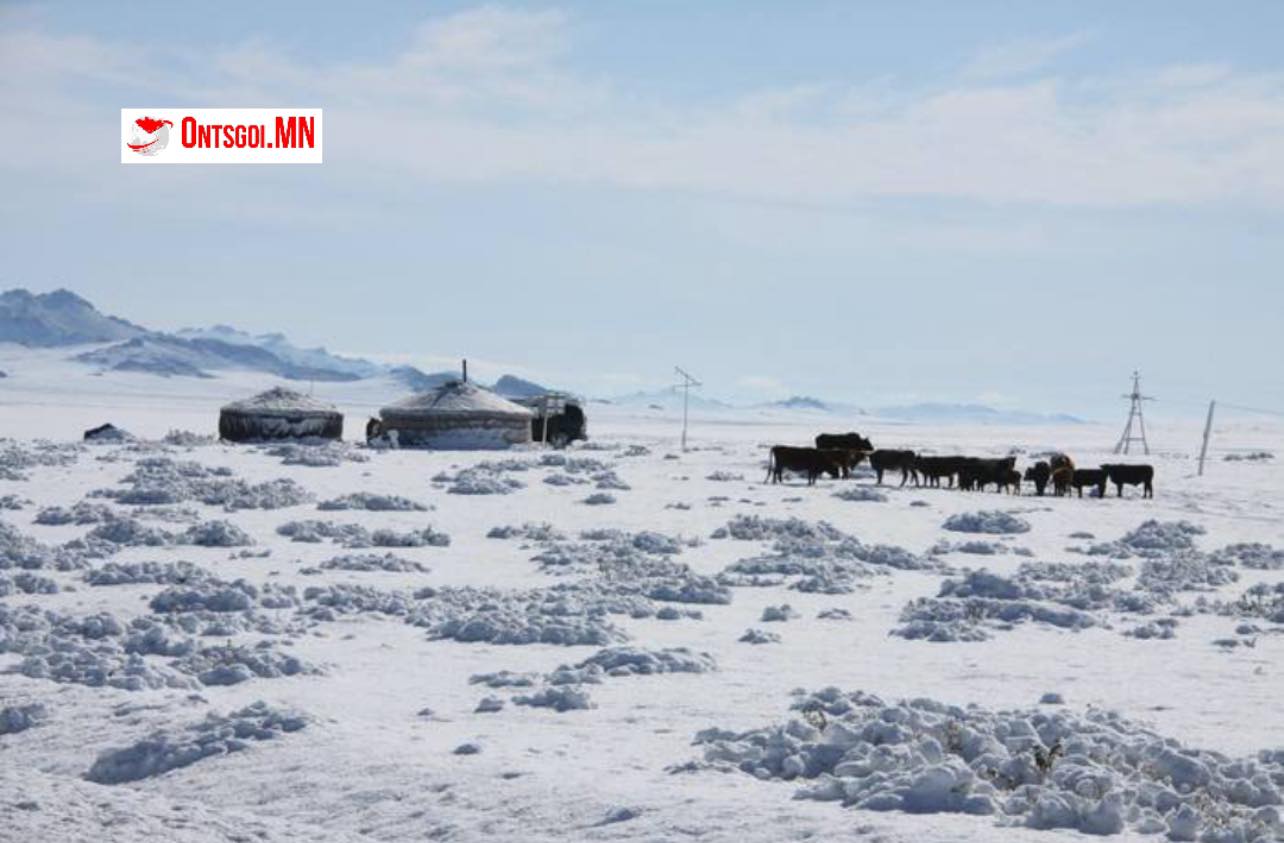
(17, 459)
(1260, 557)
(758, 636)
(778, 614)
(1150, 539)
(427, 537)
(327, 603)
(320, 453)
(26, 583)
(161, 480)
(366, 562)
(541, 532)
(81, 513)
(232, 664)
(861, 494)
(215, 735)
(992, 521)
(968, 609)
(560, 698)
(313, 531)
(637, 661)
(20, 718)
(372, 503)
(187, 439)
(1096, 772)
(536, 616)
(207, 596)
(215, 534)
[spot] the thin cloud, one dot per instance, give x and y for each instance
(1021, 56)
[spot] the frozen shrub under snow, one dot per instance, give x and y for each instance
(207, 595)
(80, 513)
(372, 503)
(758, 636)
(529, 531)
(637, 661)
(215, 534)
(230, 664)
(427, 537)
(778, 614)
(26, 582)
(372, 562)
(861, 494)
(559, 698)
(320, 453)
(1260, 557)
(992, 521)
(564, 614)
(599, 499)
(215, 735)
(20, 718)
(312, 531)
(1095, 772)
(482, 480)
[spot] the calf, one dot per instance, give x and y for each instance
(1089, 477)
(1039, 473)
(1060, 461)
(810, 461)
(884, 460)
(1012, 482)
(1131, 475)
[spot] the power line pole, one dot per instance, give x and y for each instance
(687, 382)
(1134, 414)
(1208, 429)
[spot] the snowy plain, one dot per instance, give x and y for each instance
(372, 644)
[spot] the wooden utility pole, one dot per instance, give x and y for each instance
(1208, 429)
(685, 386)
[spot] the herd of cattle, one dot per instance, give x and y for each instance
(836, 454)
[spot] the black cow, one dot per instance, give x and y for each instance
(374, 429)
(1089, 477)
(1039, 474)
(810, 461)
(847, 441)
(976, 473)
(934, 469)
(1131, 475)
(563, 428)
(884, 460)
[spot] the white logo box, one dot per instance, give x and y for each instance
(221, 135)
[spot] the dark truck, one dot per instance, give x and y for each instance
(559, 418)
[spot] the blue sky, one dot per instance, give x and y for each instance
(1008, 203)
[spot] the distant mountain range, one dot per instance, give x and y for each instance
(62, 318)
(970, 414)
(58, 318)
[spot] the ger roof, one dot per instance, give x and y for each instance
(281, 401)
(457, 398)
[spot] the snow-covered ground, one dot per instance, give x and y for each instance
(249, 642)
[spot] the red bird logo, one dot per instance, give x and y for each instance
(151, 139)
